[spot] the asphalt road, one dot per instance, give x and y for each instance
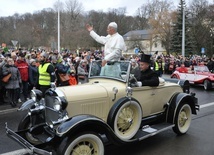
(198, 140)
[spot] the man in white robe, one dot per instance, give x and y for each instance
(114, 45)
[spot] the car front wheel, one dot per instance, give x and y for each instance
(82, 144)
(125, 119)
(182, 119)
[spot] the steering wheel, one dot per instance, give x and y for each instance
(132, 80)
(122, 74)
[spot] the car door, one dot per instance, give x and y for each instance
(145, 95)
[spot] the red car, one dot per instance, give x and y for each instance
(199, 76)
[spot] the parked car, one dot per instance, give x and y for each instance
(200, 75)
(109, 109)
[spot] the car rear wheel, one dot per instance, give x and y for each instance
(207, 85)
(182, 119)
(125, 119)
(84, 143)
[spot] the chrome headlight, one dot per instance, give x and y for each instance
(57, 104)
(33, 95)
(36, 94)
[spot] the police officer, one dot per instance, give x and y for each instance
(46, 73)
(148, 76)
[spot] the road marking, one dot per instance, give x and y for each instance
(17, 152)
(206, 105)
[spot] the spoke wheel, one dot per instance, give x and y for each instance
(183, 119)
(83, 144)
(126, 119)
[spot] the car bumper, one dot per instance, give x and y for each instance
(15, 136)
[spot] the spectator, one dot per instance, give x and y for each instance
(158, 66)
(46, 73)
(82, 72)
(23, 67)
(2, 87)
(72, 80)
(135, 69)
(33, 74)
(13, 85)
(61, 69)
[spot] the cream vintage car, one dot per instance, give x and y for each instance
(110, 108)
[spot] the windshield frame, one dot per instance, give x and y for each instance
(201, 69)
(112, 63)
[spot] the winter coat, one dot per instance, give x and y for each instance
(23, 69)
(82, 74)
(15, 79)
(61, 69)
(33, 75)
(149, 78)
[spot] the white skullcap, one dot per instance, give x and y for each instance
(113, 24)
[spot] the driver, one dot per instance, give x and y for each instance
(114, 45)
(148, 76)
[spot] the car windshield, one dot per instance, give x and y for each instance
(113, 69)
(201, 69)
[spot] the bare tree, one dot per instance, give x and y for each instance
(202, 15)
(71, 23)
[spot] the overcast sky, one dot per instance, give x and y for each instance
(10, 7)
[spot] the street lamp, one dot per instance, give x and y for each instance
(58, 26)
(183, 30)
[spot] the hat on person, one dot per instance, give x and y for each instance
(145, 58)
(22, 55)
(44, 54)
(32, 60)
(113, 24)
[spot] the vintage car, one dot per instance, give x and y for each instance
(110, 109)
(200, 75)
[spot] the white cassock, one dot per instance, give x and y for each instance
(114, 45)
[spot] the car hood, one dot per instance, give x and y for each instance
(92, 90)
(83, 92)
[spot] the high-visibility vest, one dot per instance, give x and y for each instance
(44, 76)
(156, 66)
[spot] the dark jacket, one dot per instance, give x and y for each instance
(149, 78)
(33, 75)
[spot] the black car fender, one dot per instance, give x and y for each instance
(178, 99)
(83, 123)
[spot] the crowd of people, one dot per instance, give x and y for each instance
(40, 69)
(27, 69)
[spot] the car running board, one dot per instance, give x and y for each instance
(148, 131)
